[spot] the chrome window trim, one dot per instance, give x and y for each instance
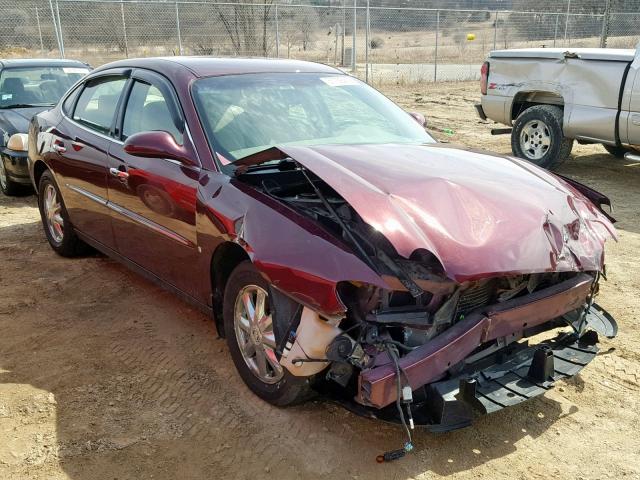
(151, 225)
(87, 129)
(133, 216)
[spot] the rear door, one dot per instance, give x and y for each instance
(79, 153)
(153, 199)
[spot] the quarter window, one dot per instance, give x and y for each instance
(67, 105)
(147, 110)
(97, 103)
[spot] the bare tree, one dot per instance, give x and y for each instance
(240, 21)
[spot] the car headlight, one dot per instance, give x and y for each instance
(18, 142)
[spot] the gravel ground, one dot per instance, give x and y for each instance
(105, 376)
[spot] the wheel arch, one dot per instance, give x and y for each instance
(525, 99)
(226, 257)
(39, 167)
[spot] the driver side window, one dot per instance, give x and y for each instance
(147, 110)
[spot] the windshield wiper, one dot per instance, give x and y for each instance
(404, 278)
(28, 105)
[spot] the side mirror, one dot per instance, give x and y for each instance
(418, 117)
(157, 144)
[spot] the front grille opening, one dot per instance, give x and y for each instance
(475, 297)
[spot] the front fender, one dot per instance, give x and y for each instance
(294, 254)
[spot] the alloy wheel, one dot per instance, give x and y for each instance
(253, 326)
(53, 213)
(535, 139)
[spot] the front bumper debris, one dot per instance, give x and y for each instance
(522, 376)
(491, 384)
(430, 362)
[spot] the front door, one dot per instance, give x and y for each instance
(633, 120)
(153, 200)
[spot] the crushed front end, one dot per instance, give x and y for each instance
(470, 351)
(476, 322)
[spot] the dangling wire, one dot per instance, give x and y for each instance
(408, 446)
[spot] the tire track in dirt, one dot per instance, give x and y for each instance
(206, 404)
(620, 370)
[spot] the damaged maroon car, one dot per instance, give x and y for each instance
(340, 248)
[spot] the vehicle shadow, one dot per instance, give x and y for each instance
(104, 375)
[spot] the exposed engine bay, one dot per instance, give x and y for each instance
(434, 347)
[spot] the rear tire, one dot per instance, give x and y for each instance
(276, 385)
(55, 220)
(615, 150)
(537, 136)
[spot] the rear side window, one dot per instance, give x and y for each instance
(97, 103)
(147, 110)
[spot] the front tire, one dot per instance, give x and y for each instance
(58, 229)
(7, 186)
(248, 327)
(537, 136)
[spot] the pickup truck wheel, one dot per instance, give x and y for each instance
(537, 136)
(616, 151)
(248, 325)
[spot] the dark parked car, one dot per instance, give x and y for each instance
(28, 87)
(339, 247)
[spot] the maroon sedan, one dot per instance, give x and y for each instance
(338, 246)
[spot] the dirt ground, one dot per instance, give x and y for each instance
(105, 376)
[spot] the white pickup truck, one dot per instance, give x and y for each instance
(553, 96)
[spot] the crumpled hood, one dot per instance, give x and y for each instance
(16, 121)
(480, 214)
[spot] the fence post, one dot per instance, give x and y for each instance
(178, 29)
(366, 47)
(61, 40)
(555, 33)
(435, 59)
(355, 26)
(39, 30)
(566, 22)
(344, 27)
(336, 29)
(495, 30)
(606, 23)
(55, 26)
(277, 32)
(124, 30)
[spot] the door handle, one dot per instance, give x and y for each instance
(635, 119)
(119, 174)
(58, 146)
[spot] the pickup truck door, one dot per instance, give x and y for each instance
(632, 115)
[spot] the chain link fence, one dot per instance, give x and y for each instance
(379, 44)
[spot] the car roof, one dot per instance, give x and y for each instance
(211, 66)
(40, 62)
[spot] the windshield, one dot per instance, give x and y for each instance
(244, 114)
(36, 86)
